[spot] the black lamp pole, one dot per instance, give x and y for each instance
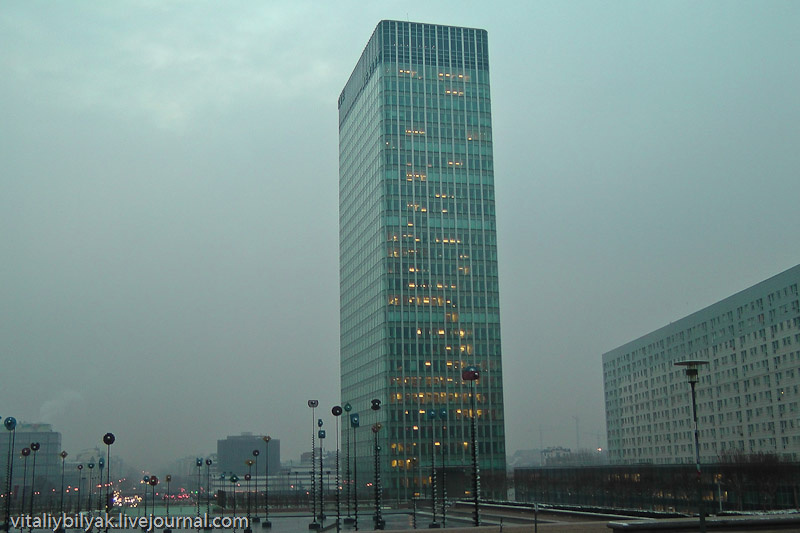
(432, 417)
(34, 448)
(145, 482)
(25, 453)
(234, 480)
(208, 491)
(337, 412)
(108, 440)
(472, 375)
(321, 435)
(153, 481)
(168, 479)
(266, 522)
(199, 464)
(443, 416)
(80, 487)
(355, 423)
(348, 480)
(248, 477)
(379, 522)
(101, 464)
(10, 424)
(63, 456)
(692, 368)
(256, 453)
(377, 482)
(90, 465)
(314, 524)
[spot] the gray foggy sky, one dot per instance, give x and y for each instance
(169, 201)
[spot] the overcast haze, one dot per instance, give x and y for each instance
(169, 202)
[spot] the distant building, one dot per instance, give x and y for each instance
(48, 461)
(233, 451)
(748, 396)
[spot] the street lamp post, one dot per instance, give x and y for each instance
(248, 477)
(257, 518)
(314, 524)
(80, 487)
(199, 464)
(145, 482)
(337, 412)
(90, 465)
(234, 481)
(692, 368)
(25, 453)
(34, 448)
(355, 423)
(108, 440)
(472, 375)
(379, 521)
(266, 522)
(153, 481)
(207, 526)
(443, 416)
(321, 436)
(63, 456)
(168, 479)
(348, 481)
(101, 464)
(10, 424)
(432, 417)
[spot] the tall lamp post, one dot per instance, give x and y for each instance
(336, 411)
(234, 481)
(101, 464)
(207, 527)
(63, 456)
(34, 448)
(80, 486)
(379, 521)
(266, 522)
(199, 464)
(90, 465)
(472, 375)
(256, 453)
(355, 423)
(432, 417)
(10, 424)
(443, 417)
(321, 435)
(153, 481)
(692, 368)
(25, 453)
(168, 479)
(248, 477)
(314, 524)
(108, 440)
(348, 481)
(145, 482)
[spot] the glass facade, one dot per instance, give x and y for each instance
(418, 255)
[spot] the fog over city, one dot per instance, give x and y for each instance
(169, 202)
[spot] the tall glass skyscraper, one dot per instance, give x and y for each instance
(418, 258)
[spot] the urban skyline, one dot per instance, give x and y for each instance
(169, 202)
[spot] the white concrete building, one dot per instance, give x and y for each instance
(748, 396)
